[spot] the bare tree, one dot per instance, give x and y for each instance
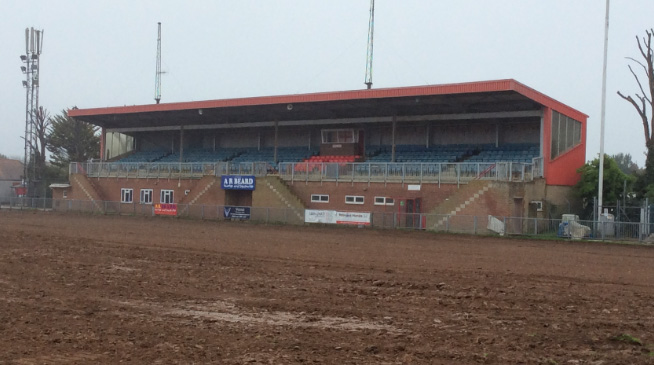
(41, 129)
(39, 143)
(642, 101)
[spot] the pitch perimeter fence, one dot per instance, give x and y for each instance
(465, 224)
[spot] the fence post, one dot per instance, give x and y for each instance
(202, 212)
(475, 225)
(505, 229)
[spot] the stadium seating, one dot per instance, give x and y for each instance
(267, 154)
(419, 153)
(524, 153)
(313, 162)
(144, 156)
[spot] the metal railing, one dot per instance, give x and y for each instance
(459, 172)
(187, 170)
(477, 225)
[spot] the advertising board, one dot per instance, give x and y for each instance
(232, 212)
(237, 182)
(165, 209)
(336, 217)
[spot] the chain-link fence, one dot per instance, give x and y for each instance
(465, 224)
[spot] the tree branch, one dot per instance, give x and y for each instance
(640, 86)
(642, 113)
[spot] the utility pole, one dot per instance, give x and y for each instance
(600, 187)
(157, 79)
(371, 30)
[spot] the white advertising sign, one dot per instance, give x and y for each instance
(319, 216)
(352, 218)
(334, 217)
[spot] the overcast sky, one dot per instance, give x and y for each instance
(103, 53)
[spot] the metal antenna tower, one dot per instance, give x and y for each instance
(371, 30)
(31, 68)
(157, 78)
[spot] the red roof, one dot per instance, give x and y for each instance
(462, 88)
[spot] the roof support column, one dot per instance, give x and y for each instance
(113, 145)
(427, 134)
(181, 143)
(394, 126)
(276, 135)
(103, 137)
(542, 136)
(497, 135)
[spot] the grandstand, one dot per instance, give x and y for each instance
(344, 150)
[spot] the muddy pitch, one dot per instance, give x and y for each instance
(97, 289)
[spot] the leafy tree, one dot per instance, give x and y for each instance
(2, 156)
(643, 101)
(613, 186)
(71, 140)
(625, 163)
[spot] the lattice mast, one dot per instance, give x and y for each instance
(31, 68)
(157, 78)
(371, 30)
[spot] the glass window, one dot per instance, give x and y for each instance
(569, 134)
(566, 134)
(319, 198)
(353, 199)
(126, 195)
(339, 136)
(577, 133)
(555, 134)
(146, 196)
(166, 197)
(382, 200)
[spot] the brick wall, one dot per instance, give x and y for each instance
(499, 200)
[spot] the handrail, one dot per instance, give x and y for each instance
(386, 172)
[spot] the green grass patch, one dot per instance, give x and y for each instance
(626, 338)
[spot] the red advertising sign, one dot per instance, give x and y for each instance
(165, 209)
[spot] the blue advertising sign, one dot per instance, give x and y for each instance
(237, 182)
(237, 212)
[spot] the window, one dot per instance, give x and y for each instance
(353, 199)
(382, 200)
(166, 197)
(566, 133)
(319, 198)
(339, 136)
(146, 196)
(65, 194)
(126, 195)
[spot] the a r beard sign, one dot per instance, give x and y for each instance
(237, 182)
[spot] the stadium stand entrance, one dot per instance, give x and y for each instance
(409, 213)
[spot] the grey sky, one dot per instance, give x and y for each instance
(102, 53)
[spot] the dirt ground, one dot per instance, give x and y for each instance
(108, 289)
